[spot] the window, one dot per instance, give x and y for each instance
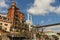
(16, 19)
(4, 18)
(0, 17)
(0, 27)
(15, 22)
(16, 15)
(0, 23)
(6, 24)
(8, 18)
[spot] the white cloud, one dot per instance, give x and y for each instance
(4, 11)
(58, 10)
(42, 7)
(55, 28)
(3, 5)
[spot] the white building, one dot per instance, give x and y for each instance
(4, 23)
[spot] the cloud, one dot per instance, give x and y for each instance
(53, 28)
(58, 10)
(42, 7)
(3, 5)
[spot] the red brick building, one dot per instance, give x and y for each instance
(15, 16)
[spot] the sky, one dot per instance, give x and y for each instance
(43, 11)
(55, 28)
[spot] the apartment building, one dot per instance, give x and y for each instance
(4, 23)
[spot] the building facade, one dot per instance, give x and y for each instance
(4, 23)
(15, 16)
(14, 21)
